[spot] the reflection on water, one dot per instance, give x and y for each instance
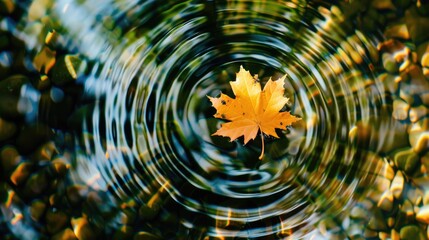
(106, 127)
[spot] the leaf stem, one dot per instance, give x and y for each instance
(263, 147)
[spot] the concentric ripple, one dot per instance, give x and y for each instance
(149, 136)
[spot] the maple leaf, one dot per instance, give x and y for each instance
(252, 110)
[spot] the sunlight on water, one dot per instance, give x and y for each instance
(130, 126)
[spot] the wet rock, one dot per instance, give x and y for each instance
(377, 222)
(12, 85)
(411, 232)
(394, 235)
(38, 9)
(423, 214)
(67, 69)
(421, 145)
(7, 129)
(415, 84)
(389, 63)
(56, 221)
(7, 7)
(146, 236)
(397, 185)
(36, 184)
(369, 234)
(45, 152)
(423, 54)
(66, 234)
(417, 25)
(21, 173)
(390, 82)
(415, 195)
(37, 209)
(76, 194)
(400, 110)
(58, 168)
(398, 30)
(406, 160)
(32, 136)
(9, 107)
(387, 171)
(386, 201)
(43, 83)
(44, 61)
(10, 158)
(418, 113)
(419, 136)
(408, 209)
(82, 229)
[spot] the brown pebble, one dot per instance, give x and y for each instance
(397, 185)
(37, 209)
(9, 107)
(59, 167)
(400, 110)
(417, 25)
(411, 232)
(32, 136)
(407, 160)
(82, 229)
(386, 201)
(76, 193)
(37, 183)
(423, 214)
(12, 85)
(7, 129)
(56, 221)
(417, 113)
(21, 173)
(9, 157)
(377, 221)
(398, 30)
(45, 152)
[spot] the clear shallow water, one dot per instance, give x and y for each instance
(142, 130)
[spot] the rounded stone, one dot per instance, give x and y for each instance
(406, 160)
(9, 157)
(389, 63)
(411, 232)
(76, 194)
(37, 209)
(56, 221)
(82, 229)
(386, 201)
(423, 214)
(37, 183)
(21, 173)
(32, 136)
(7, 129)
(12, 85)
(397, 185)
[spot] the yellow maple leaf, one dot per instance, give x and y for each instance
(252, 110)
